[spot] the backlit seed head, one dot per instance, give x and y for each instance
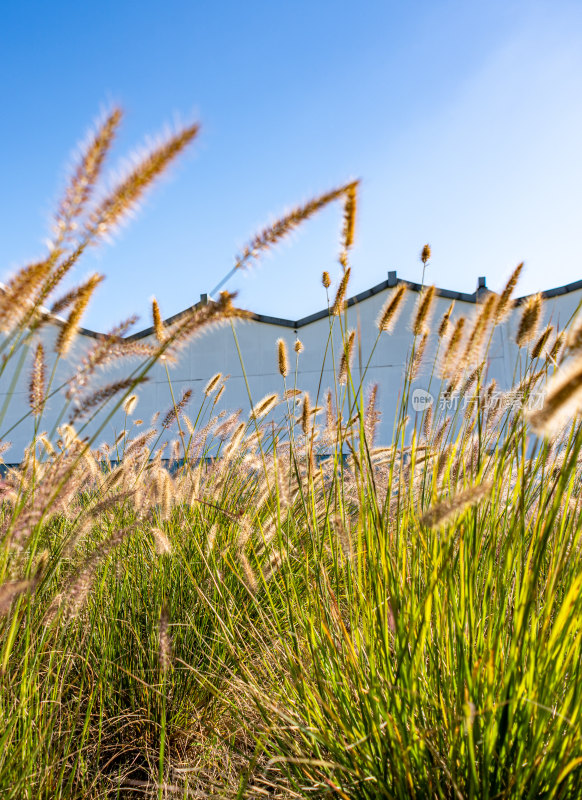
(562, 402)
(339, 302)
(129, 404)
(306, 414)
(347, 356)
(443, 512)
(212, 384)
(262, 408)
(164, 641)
(350, 215)
(37, 381)
(423, 308)
(530, 317)
(446, 321)
(389, 313)
(542, 341)
(158, 324)
(282, 359)
(504, 301)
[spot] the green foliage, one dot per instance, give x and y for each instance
(289, 610)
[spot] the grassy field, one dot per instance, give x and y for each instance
(288, 609)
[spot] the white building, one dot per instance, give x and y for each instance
(216, 351)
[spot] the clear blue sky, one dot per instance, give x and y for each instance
(463, 119)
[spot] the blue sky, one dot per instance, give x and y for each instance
(463, 119)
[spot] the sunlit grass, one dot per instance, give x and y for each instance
(287, 609)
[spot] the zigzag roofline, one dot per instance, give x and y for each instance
(392, 281)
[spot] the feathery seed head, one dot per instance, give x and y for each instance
(158, 324)
(427, 424)
(453, 348)
(574, 338)
(71, 326)
(306, 414)
(425, 254)
(219, 394)
(326, 280)
(264, 406)
(346, 359)
(479, 331)
(124, 197)
(235, 440)
(162, 542)
(538, 347)
(271, 235)
(282, 358)
(504, 301)
(21, 292)
(177, 409)
(556, 347)
(65, 301)
(164, 641)
(79, 588)
(338, 303)
(446, 321)
(298, 346)
(371, 415)
(9, 591)
(350, 215)
(443, 512)
(37, 381)
(84, 177)
(129, 404)
(423, 308)
(418, 355)
(103, 395)
(212, 384)
(329, 413)
(391, 309)
(562, 402)
(530, 317)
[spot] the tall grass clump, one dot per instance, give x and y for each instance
(275, 603)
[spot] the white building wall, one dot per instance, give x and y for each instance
(216, 351)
